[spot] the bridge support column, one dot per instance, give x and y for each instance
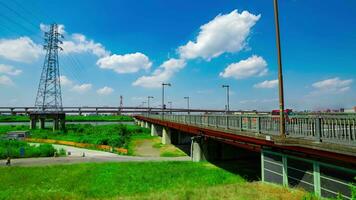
(166, 136)
(154, 130)
(42, 123)
(147, 125)
(55, 124)
(12, 111)
(197, 149)
(33, 123)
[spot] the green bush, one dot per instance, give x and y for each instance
(12, 148)
(116, 135)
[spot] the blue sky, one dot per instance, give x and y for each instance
(128, 48)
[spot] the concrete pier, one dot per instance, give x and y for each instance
(166, 135)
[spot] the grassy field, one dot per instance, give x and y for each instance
(12, 148)
(69, 118)
(152, 180)
(116, 135)
(155, 141)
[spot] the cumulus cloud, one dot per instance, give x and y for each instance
(82, 88)
(162, 74)
(22, 49)
(105, 90)
(333, 85)
(80, 44)
(9, 70)
(225, 33)
(128, 63)
(65, 81)
(267, 84)
(252, 66)
(5, 80)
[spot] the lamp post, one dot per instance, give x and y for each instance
(280, 74)
(148, 104)
(187, 98)
(227, 109)
(163, 105)
(170, 106)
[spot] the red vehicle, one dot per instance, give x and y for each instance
(286, 112)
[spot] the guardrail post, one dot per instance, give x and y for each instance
(227, 121)
(318, 129)
(258, 125)
(216, 121)
(240, 118)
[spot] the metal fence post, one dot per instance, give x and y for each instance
(258, 125)
(241, 123)
(318, 129)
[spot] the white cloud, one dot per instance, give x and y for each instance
(333, 85)
(22, 49)
(5, 80)
(80, 44)
(65, 81)
(252, 66)
(9, 70)
(82, 88)
(267, 84)
(128, 63)
(225, 33)
(105, 90)
(162, 74)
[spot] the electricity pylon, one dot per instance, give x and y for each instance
(49, 96)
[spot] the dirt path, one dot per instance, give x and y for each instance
(90, 156)
(144, 148)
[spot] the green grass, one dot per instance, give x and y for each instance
(70, 118)
(11, 148)
(116, 135)
(136, 138)
(6, 128)
(149, 180)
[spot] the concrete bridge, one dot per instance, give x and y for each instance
(317, 154)
(79, 110)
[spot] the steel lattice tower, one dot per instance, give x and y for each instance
(49, 97)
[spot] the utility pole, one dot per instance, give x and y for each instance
(170, 106)
(227, 108)
(163, 105)
(148, 104)
(187, 98)
(121, 104)
(282, 128)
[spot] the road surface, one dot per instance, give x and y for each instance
(76, 156)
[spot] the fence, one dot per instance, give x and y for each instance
(327, 128)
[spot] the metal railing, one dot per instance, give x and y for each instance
(333, 129)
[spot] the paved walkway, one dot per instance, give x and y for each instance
(76, 156)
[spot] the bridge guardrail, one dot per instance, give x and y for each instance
(332, 129)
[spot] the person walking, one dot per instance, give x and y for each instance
(8, 161)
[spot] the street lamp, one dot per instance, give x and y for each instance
(170, 106)
(187, 98)
(163, 105)
(282, 127)
(148, 104)
(227, 109)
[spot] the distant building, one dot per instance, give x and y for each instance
(351, 110)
